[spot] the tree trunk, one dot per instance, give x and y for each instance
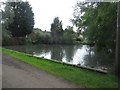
(117, 64)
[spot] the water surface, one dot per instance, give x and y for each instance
(83, 55)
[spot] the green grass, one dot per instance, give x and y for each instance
(81, 77)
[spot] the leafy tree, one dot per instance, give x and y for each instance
(69, 35)
(97, 22)
(23, 20)
(38, 36)
(56, 30)
(7, 18)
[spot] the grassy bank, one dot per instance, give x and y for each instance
(84, 78)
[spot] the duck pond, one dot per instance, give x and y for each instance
(83, 55)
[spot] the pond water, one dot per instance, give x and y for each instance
(83, 55)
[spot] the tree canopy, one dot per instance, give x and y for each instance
(97, 22)
(56, 30)
(23, 18)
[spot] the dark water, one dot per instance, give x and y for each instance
(83, 55)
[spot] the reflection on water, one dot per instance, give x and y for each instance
(74, 54)
(46, 55)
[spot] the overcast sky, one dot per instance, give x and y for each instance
(46, 10)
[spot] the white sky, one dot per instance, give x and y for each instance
(46, 10)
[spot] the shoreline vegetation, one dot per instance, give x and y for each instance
(79, 76)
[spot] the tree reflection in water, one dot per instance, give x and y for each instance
(96, 57)
(99, 57)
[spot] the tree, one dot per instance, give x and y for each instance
(23, 20)
(118, 42)
(97, 21)
(56, 30)
(69, 35)
(7, 18)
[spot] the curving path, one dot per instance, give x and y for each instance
(17, 74)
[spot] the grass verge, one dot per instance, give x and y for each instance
(81, 77)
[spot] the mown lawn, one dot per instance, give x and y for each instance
(82, 77)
